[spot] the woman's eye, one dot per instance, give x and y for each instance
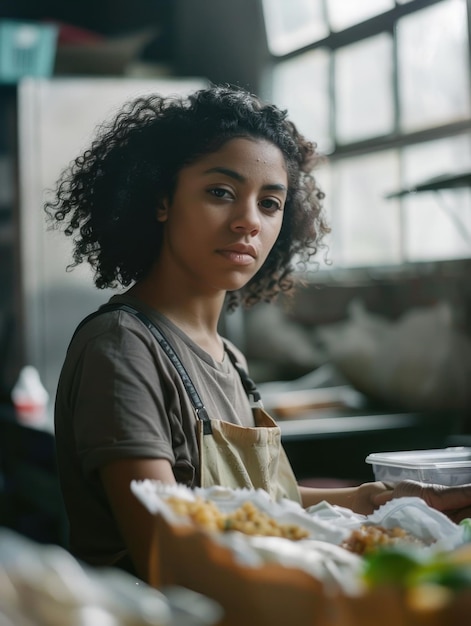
(270, 204)
(219, 192)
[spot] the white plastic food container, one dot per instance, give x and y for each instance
(447, 466)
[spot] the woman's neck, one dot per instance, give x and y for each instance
(196, 316)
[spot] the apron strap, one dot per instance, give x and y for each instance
(248, 384)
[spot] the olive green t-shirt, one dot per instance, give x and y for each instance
(119, 396)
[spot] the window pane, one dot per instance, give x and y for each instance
(433, 65)
(437, 223)
(364, 89)
(345, 13)
(301, 85)
(366, 225)
(292, 24)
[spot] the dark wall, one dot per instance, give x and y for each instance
(223, 41)
(103, 16)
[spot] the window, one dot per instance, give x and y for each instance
(290, 24)
(383, 87)
(433, 66)
(363, 89)
(344, 14)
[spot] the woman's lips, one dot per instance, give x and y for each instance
(240, 254)
(237, 257)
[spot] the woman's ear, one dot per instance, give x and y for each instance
(162, 211)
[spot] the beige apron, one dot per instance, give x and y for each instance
(230, 455)
(238, 456)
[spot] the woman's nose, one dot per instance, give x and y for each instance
(246, 217)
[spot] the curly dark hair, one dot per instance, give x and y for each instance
(106, 198)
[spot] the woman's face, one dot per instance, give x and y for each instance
(225, 215)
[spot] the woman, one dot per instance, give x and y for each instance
(191, 205)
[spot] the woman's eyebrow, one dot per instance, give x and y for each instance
(241, 179)
(227, 172)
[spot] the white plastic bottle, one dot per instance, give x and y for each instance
(29, 397)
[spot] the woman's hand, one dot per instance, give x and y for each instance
(455, 502)
(365, 497)
(360, 499)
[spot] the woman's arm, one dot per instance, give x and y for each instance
(360, 499)
(135, 522)
(454, 502)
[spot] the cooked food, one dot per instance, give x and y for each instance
(247, 519)
(370, 537)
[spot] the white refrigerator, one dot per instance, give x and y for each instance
(57, 119)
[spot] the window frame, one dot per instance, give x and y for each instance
(397, 138)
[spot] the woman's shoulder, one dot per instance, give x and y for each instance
(109, 323)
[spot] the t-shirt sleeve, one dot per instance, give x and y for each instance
(118, 400)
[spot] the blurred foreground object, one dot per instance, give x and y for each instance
(46, 586)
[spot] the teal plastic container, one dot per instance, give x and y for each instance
(26, 49)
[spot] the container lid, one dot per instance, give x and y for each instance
(440, 458)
